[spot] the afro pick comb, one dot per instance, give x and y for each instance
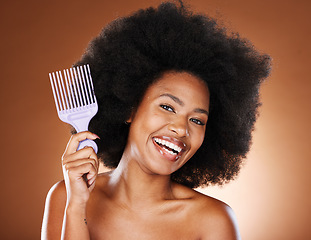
(75, 99)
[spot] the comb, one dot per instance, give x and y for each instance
(75, 99)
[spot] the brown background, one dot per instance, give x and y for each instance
(271, 197)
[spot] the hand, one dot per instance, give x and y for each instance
(80, 169)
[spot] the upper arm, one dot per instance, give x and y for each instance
(54, 212)
(221, 224)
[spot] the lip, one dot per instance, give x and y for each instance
(166, 154)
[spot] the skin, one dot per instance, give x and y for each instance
(137, 200)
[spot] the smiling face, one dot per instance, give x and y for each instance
(169, 124)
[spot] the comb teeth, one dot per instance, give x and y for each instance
(77, 92)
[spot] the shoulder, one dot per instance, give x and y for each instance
(57, 194)
(54, 209)
(216, 219)
(212, 218)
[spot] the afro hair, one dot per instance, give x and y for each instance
(132, 52)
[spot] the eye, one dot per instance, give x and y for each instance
(167, 108)
(197, 121)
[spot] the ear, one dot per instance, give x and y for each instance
(130, 119)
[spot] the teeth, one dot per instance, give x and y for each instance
(169, 145)
(169, 151)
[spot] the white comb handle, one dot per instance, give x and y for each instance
(89, 143)
(82, 124)
(80, 121)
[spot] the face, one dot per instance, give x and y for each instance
(169, 125)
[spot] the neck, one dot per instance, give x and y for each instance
(131, 184)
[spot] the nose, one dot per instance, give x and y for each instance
(179, 126)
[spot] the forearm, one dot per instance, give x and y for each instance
(74, 224)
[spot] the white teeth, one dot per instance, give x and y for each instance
(169, 151)
(169, 145)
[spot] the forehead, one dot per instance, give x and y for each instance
(183, 84)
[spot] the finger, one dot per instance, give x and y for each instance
(76, 139)
(77, 163)
(91, 185)
(85, 153)
(76, 172)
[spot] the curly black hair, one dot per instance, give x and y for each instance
(133, 52)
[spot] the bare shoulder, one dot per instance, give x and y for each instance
(57, 195)
(213, 218)
(57, 190)
(217, 216)
(54, 210)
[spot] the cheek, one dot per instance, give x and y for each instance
(148, 122)
(198, 139)
(156, 120)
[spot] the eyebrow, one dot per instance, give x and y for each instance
(200, 110)
(175, 99)
(181, 103)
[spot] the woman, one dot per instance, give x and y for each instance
(178, 100)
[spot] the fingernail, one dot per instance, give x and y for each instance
(96, 136)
